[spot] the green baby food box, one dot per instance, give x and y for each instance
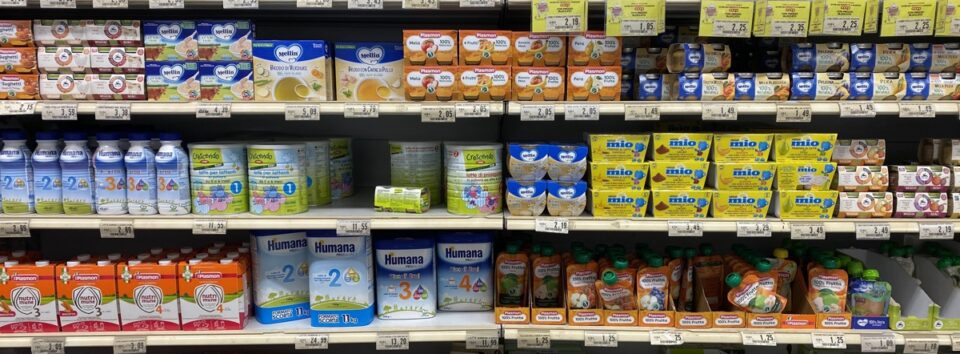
(226, 81)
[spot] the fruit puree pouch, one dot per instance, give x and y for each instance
(511, 276)
(869, 296)
(768, 278)
(686, 282)
(827, 288)
(676, 266)
(748, 294)
(787, 269)
(546, 279)
(615, 289)
(709, 273)
(581, 283)
(653, 285)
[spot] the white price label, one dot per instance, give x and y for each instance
(916, 27)
(533, 339)
(112, 111)
(764, 339)
(311, 341)
(719, 111)
(59, 111)
(473, 110)
(314, 3)
(421, 4)
(302, 112)
(483, 340)
(753, 229)
(878, 343)
(13, 3)
(365, 4)
(361, 110)
(393, 341)
(638, 27)
(684, 229)
(58, 4)
(917, 110)
(666, 338)
(12, 108)
(793, 113)
(936, 231)
(600, 339)
(116, 229)
(111, 4)
(129, 345)
(478, 3)
(582, 112)
(842, 26)
(14, 228)
(873, 231)
(52, 345)
(857, 110)
(807, 231)
(536, 112)
(165, 4)
(209, 227)
(641, 112)
(565, 24)
(438, 114)
(920, 345)
(731, 29)
(789, 29)
(359, 227)
(828, 341)
(241, 4)
(955, 342)
(552, 225)
(213, 110)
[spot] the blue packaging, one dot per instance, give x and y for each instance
(803, 86)
(173, 81)
(626, 87)
(628, 60)
(861, 86)
(863, 57)
(567, 163)
(226, 80)
(921, 58)
(692, 57)
(822, 57)
(690, 87)
(745, 87)
(225, 40)
(341, 279)
(526, 198)
(170, 40)
(669, 36)
(649, 87)
(281, 292)
(406, 278)
(918, 86)
(527, 161)
(465, 271)
(566, 199)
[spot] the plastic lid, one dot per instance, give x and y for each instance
(547, 251)
(609, 278)
(675, 252)
(219, 244)
(781, 253)
(655, 261)
(944, 263)
(186, 250)
(48, 135)
(156, 251)
(168, 136)
(213, 250)
(42, 263)
(103, 263)
(73, 263)
(173, 255)
(13, 135)
(10, 263)
(896, 252)
(243, 250)
(620, 263)
(133, 262)
(74, 136)
(763, 265)
(536, 249)
(114, 256)
(164, 262)
(143, 256)
(513, 248)
(140, 136)
(233, 254)
(194, 261)
(83, 257)
(829, 263)
(582, 258)
(226, 261)
(706, 249)
(871, 274)
(108, 136)
(733, 280)
(689, 252)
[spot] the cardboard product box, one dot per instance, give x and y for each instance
(619, 176)
(919, 178)
(921, 205)
(912, 307)
(228, 40)
(618, 147)
(946, 58)
(698, 58)
(953, 206)
(63, 59)
(681, 204)
(856, 152)
(819, 86)
(56, 32)
(112, 33)
(64, 86)
(30, 301)
(593, 48)
(19, 87)
(430, 83)
(591, 83)
(678, 175)
(803, 316)
(865, 205)
(213, 294)
(430, 47)
(483, 47)
(539, 83)
(171, 40)
(944, 87)
(789, 204)
(803, 147)
(862, 178)
(761, 87)
(748, 176)
(650, 61)
(16, 33)
(87, 297)
(18, 60)
(741, 147)
(701, 87)
(173, 81)
(618, 203)
(879, 57)
(292, 71)
(740, 204)
(119, 60)
(534, 49)
(148, 295)
(680, 146)
(484, 83)
(817, 176)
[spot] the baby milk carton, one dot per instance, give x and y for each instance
(341, 279)
(212, 294)
(226, 81)
(279, 275)
(87, 297)
(369, 71)
(148, 295)
(171, 40)
(406, 278)
(292, 71)
(225, 40)
(27, 298)
(464, 271)
(173, 81)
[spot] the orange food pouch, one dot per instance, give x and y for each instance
(768, 278)
(581, 283)
(676, 273)
(28, 298)
(653, 285)
(748, 294)
(616, 287)
(708, 269)
(827, 288)
(512, 273)
(547, 292)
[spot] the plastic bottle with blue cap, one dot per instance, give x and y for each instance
(341, 279)
(16, 174)
(47, 190)
(110, 175)
(76, 165)
(141, 175)
(173, 176)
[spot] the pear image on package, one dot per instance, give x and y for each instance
(341, 279)
(280, 275)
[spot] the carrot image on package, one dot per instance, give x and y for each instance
(87, 297)
(212, 295)
(28, 298)
(148, 295)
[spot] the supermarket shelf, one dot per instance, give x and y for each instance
(446, 327)
(672, 5)
(283, 4)
(818, 108)
(588, 223)
(252, 108)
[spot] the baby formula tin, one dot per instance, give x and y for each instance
(218, 173)
(279, 275)
(318, 172)
(278, 178)
(406, 279)
(464, 271)
(341, 168)
(341, 279)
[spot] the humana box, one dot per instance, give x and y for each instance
(743, 176)
(29, 301)
(804, 204)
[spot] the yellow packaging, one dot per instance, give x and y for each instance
(401, 199)
(906, 18)
(946, 16)
(678, 175)
(803, 147)
(618, 204)
(827, 17)
(618, 147)
(740, 204)
(726, 18)
(804, 204)
(805, 176)
(781, 18)
(742, 147)
(681, 146)
(743, 176)
(681, 204)
(619, 175)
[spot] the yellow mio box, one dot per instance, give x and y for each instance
(618, 147)
(741, 204)
(619, 203)
(401, 199)
(681, 203)
(816, 176)
(681, 146)
(803, 147)
(743, 176)
(742, 147)
(804, 204)
(670, 175)
(619, 175)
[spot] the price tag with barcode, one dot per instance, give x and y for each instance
(857, 110)
(14, 108)
(361, 110)
(920, 345)
(116, 229)
(473, 110)
(302, 112)
(312, 341)
(112, 111)
(917, 110)
(48, 345)
(209, 227)
(393, 341)
(358, 227)
(483, 340)
(873, 231)
(828, 341)
(600, 339)
(59, 111)
(638, 28)
(533, 339)
(213, 110)
(552, 225)
(719, 111)
(582, 112)
(764, 339)
(241, 4)
(807, 231)
(561, 23)
(936, 230)
(58, 4)
(753, 229)
(788, 29)
(111, 4)
(641, 112)
(314, 3)
(731, 29)
(13, 3)
(421, 4)
(878, 343)
(915, 27)
(129, 345)
(666, 338)
(793, 113)
(165, 4)
(14, 228)
(842, 26)
(438, 114)
(478, 3)
(684, 228)
(365, 4)
(536, 112)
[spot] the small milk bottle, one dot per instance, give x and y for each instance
(110, 176)
(76, 165)
(141, 176)
(16, 174)
(46, 174)
(173, 176)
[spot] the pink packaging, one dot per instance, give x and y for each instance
(921, 205)
(923, 178)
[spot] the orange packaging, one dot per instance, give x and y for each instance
(484, 83)
(653, 286)
(593, 49)
(430, 83)
(16, 33)
(581, 283)
(538, 83)
(148, 295)
(533, 49)
(430, 47)
(19, 87)
(547, 290)
(616, 287)
(593, 83)
(28, 298)
(87, 297)
(213, 295)
(708, 274)
(18, 60)
(749, 294)
(485, 47)
(827, 288)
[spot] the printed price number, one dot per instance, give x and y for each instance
(753, 229)
(14, 228)
(12, 108)
(581, 112)
(638, 28)
(536, 112)
(733, 29)
(421, 4)
(365, 4)
(302, 112)
(13, 3)
(112, 111)
(116, 229)
(719, 112)
(314, 3)
(564, 24)
(633, 112)
(483, 340)
(920, 345)
(438, 114)
(873, 231)
(828, 341)
(353, 227)
(600, 339)
(788, 29)
(478, 3)
(213, 110)
(917, 110)
(473, 110)
(58, 4)
(59, 111)
(936, 231)
(361, 110)
(765, 339)
(807, 231)
(841, 26)
(111, 4)
(393, 341)
(533, 339)
(666, 338)
(130, 345)
(552, 225)
(209, 227)
(48, 345)
(684, 229)
(917, 27)
(793, 113)
(878, 343)
(311, 341)
(165, 4)
(857, 110)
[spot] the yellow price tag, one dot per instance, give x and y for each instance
(948, 21)
(552, 16)
(635, 17)
(726, 18)
(907, 18)
(781, 18)
(837, 17)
